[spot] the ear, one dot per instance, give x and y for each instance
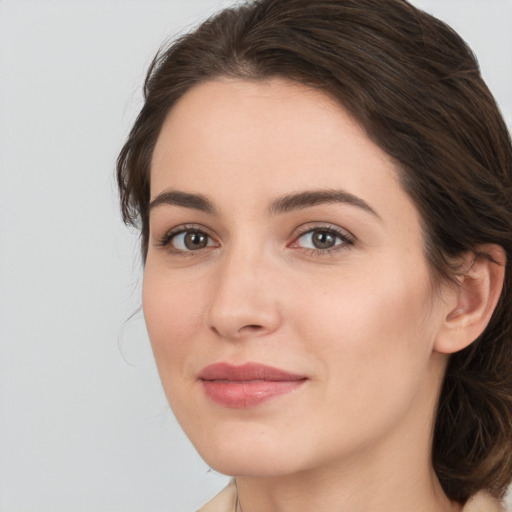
(471, 304)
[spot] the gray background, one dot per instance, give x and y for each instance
(84, 425)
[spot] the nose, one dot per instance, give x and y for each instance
(244, 301)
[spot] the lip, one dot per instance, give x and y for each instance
(247, 385)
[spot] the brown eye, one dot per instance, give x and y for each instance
(320, 239)
(195, 240)
(323, 239)
(191, 240)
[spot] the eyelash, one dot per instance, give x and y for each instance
(166, 240)
(346, 239)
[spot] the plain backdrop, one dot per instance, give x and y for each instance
(84, 425)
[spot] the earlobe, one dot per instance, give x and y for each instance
(474, 300)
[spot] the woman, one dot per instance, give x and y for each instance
(324, 196)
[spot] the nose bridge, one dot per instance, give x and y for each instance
(243, 302)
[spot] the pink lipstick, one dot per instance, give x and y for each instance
(248, 385)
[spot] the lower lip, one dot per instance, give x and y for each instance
(243, 394)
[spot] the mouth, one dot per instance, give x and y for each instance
(247, 385)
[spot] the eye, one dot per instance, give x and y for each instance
(323, 239)
(186, 240)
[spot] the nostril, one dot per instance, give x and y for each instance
(252, 328)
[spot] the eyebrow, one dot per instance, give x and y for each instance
(308, 198)
(284, 204)
(183, 199)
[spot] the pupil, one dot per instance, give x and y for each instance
(323, 240)
(195, 241)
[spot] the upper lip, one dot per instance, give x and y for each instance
(246, 372)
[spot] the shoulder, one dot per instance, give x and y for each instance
(225, 501)
(483, 502)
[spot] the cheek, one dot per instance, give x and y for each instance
(372, 339)
(172, 311)
(376, 324)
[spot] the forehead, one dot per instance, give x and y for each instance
(269, 138)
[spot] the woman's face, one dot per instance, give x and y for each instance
(286, 293)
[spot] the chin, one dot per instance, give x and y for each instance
(264, 466)
(248, 455)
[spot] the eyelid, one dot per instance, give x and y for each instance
(165, 240)
(346, 237)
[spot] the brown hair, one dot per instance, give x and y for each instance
(415, 87)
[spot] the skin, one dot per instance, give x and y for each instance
(361, 320)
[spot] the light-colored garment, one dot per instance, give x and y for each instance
(225, 501)
(483, 502)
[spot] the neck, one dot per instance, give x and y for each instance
(371, 487)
